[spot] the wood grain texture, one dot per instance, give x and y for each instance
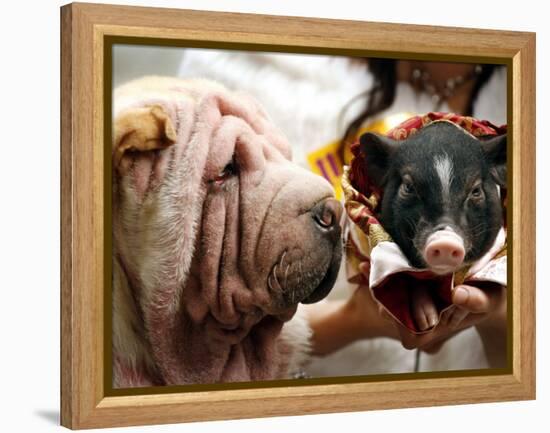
(84, 27)
(67, 388)
(524, 219)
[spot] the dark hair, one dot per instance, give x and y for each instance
(382, 94)
(379, 97)
(482, 78)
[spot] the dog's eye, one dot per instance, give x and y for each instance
(228, 171)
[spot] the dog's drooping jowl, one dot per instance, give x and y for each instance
(441, 201)
(217, 236)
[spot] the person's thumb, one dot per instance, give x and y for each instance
(473, 299)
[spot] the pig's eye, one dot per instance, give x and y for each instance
(228, 171)
(407, 187)
(476, 192)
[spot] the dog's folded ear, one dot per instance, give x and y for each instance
(141, 129)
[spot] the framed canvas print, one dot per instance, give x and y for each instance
(265, 215)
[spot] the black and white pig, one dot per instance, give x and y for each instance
(441, 198)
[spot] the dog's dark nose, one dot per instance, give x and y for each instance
(327, 214)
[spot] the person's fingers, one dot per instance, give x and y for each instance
(434, 347)
(364, 268)
(435, 344)
(431, 313)
(473, 299)
(440, 334)
(457, 317)
(408, 339)
(424, 313)
(421, 309)
(420, 318)
(447, 315)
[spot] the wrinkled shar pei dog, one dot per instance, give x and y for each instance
(217, 236)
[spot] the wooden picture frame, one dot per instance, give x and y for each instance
(86, 32)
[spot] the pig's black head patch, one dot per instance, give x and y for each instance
(440, 178)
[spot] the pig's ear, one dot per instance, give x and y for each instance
(377, 151)
(495, 153)
(141, 129)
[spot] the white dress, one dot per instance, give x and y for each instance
(312, 98)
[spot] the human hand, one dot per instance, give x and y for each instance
(484, 305)
(337, 323)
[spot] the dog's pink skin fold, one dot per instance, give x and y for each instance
(191, 257)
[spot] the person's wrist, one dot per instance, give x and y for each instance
(364, 322)
(351, 315)
(496, 319)
(493, 331)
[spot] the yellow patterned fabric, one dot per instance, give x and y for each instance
(327, 161)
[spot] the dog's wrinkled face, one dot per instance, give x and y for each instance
(270, 231)
(262, 234)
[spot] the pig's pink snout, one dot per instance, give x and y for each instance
(444, 251)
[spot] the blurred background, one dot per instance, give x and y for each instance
(134, 61)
